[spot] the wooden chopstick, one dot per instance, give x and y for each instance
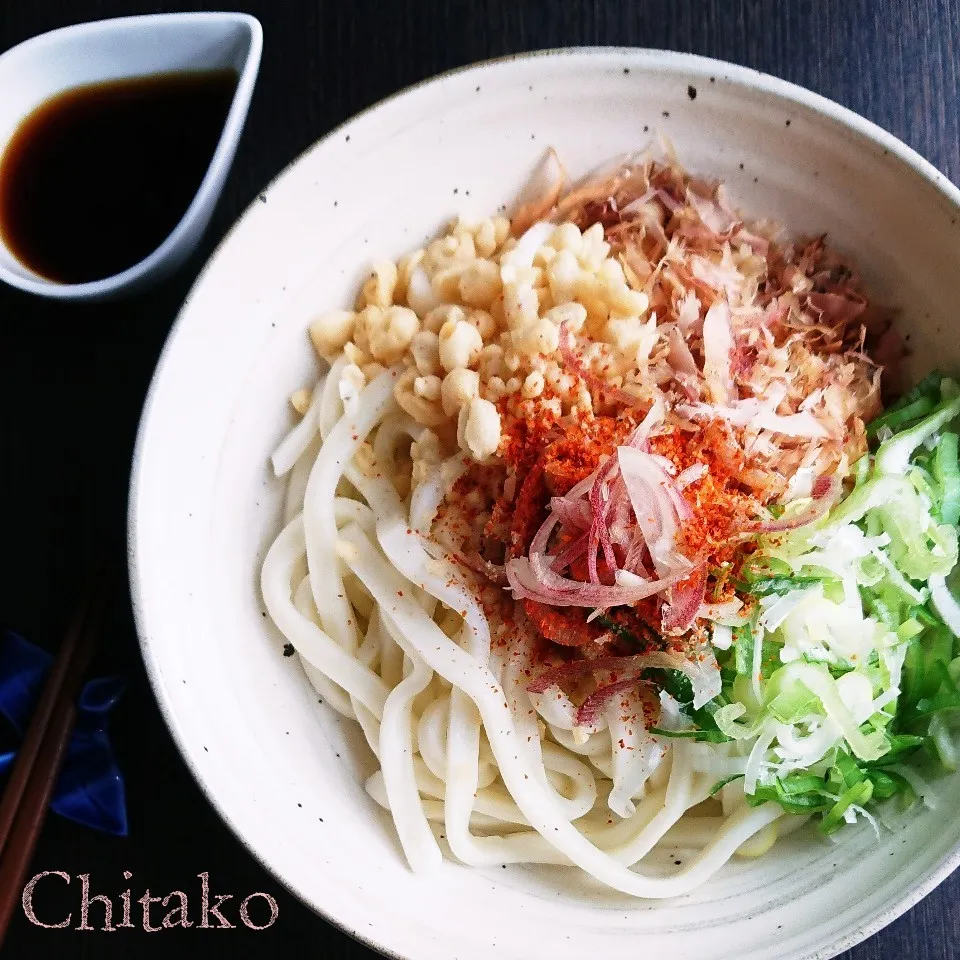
(40, 721)
(35, 770)
(32, 813)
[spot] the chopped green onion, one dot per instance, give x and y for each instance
(867, 746)
(801, 783)
(769, 657)
(913, 673)
(837, 668)
(874, 493)
(879, 608)
(720, 784)
(743, 642)
(858, 795)
(907, 495)
(938, 644)
(799, 802)
(845, 772)
(726, 721)
(926, 617)
(675, 682)
(803, 802)
(946, 469)
(906, 792)
(760, 567)
(923, 483)
(762, 794)
(896, 419)
(909, 629)
(701, 736)
(793, 703)
(942, 738)
(946, 697)
(899, 744)
(782, 585)
(884, 785)
(894, 454)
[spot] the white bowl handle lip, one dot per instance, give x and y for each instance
(185, 236)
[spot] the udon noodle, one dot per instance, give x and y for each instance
(462, 752)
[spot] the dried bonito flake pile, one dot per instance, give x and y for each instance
(640, 286)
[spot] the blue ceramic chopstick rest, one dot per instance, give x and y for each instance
(90, 788)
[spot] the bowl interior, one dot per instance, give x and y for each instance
(283, 770)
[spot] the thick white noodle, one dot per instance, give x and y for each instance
(428, 496)
(432, 736)
(295, 443)
(369, 655)
(309, 640)
(399, 428)
(331, 406)
(462, 781)
(385, 582)
(396, 763)
(346, 511)
(336, 696)
(299, 475)
(433, 741)
(596, 745)
(512, 847)
(636, 753)
(339, 447)
(466, 766)
(528, 733)
(556, 708)
(493, 802)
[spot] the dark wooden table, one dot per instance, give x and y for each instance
(73, 378)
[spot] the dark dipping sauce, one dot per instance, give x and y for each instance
(96, 178)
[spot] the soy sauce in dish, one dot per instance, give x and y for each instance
(96, 178)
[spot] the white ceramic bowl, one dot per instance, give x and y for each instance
(282, 770)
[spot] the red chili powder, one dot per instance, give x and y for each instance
(540, 457)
